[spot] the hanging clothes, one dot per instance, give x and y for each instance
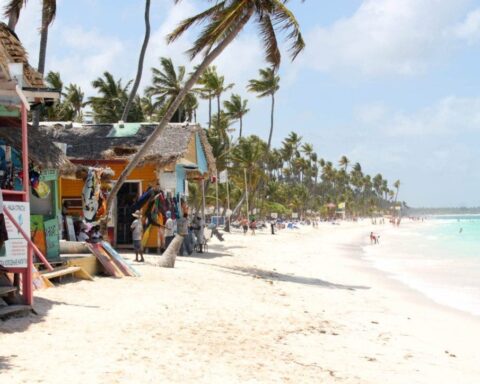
(91, 195)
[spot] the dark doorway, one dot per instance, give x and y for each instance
(126, 197)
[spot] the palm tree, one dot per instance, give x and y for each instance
(214, 86)
(236, 108)
(110, 105)
(138, 78)
(74, 98)
(148, 107)
(206, 92)
(396, 185)
(168, 82)
(344, 162)
(225, 20)
(49, 9)
(267, 85)
(54, 81)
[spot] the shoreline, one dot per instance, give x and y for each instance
(398, 282)
(298, 307)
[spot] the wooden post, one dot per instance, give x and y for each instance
(27, 275)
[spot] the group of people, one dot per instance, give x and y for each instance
(181, 226)
(246, 225)
(89, 234)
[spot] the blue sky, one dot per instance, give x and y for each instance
(392, 84)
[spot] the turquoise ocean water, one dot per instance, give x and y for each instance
(439, 257)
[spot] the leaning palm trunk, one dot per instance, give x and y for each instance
(173, 107)
(209, 112)
(12, 22)
(239, 205)
(140, 62)
(170, 254)
(218, 112)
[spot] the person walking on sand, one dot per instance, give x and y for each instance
(245, 225)
(137, 232)
(253, 226)
(272, 226)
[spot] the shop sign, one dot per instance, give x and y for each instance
(14, 253)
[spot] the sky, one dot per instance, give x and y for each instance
(391, 84)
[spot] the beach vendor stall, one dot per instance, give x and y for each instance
(158, 184)
(29, 163)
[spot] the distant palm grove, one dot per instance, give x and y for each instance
(291, 178)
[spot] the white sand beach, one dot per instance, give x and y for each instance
(299, 307)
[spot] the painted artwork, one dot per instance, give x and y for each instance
(37, 231)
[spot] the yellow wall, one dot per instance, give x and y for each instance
(146, 174)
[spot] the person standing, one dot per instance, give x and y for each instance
(169, 230)
(253, 225)
(83, 235)
(198, 230)
(245, 225)
(272, 226)
(137, 232)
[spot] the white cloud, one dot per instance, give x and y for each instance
(469, 29)
(385, 37)
(450, 116)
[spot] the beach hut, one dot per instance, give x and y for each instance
(180, 154)
(22, 150)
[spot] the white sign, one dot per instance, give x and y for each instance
(14, 254)
(168, 181)
(223, 177)
(274, 215)
(294, 215)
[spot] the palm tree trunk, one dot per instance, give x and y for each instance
(41, 57)
(271, 123)
(239, 204)
(12, 22)
(173, 107)
(209, 112)
(140, 62)
(170, 254)
(218, 111)
(241, 126)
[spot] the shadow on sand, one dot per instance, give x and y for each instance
(5, 363)
(271, 275)
(41, 307)
(214, 251)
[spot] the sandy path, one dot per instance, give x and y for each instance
(289, 308)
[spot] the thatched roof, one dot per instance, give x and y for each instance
(95, 142)
(41, 149)
(12, 51)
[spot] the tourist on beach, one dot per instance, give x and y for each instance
(253, 226)
(245, 225)
(374, 238)
(182, 229)
(169, 229)
(83, 235)
(197, 227)
(137, 232)
(272, 226)
(95, 235)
